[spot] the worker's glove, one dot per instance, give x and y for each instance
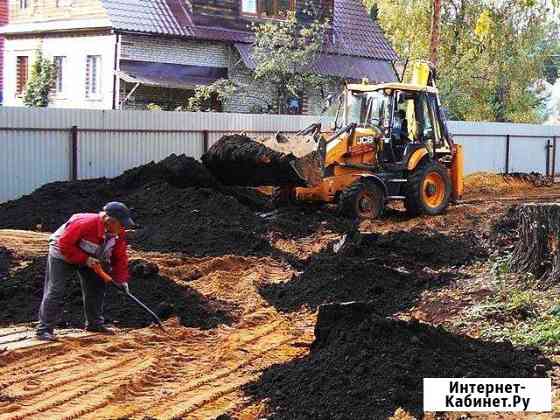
(124, 287)
(92, 262)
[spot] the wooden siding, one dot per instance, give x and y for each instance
(46, 10)
(227, 13)
(3, 20)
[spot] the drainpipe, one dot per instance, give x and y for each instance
(115, 69)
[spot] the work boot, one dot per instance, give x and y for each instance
(45, 336)
(101, 329)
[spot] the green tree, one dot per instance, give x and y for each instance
(206, 96)
(41, 82)
(285, 50)
(491, 53)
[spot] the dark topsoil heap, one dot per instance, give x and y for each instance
(178, 203)
(21, 296)
(239, 160)
(390, 269)
(365, 366)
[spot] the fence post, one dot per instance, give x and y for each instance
(507, 155)
(548, 147)
(553, 157)
(204, 141)
(74, 153)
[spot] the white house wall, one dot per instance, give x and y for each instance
(75, 49)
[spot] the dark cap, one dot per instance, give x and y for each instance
(120, 212)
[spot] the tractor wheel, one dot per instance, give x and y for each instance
(428, 190)
(362, 200)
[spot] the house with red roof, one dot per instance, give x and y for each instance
(128, 54)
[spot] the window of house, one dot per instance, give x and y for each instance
(249, 7)
(63, 3)
(268, 8)
(23, 4)
(22, 73)
(93, 76)
(59, 63)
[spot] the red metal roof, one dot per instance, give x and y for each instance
(349, 67)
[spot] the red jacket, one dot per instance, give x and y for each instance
(82, 236)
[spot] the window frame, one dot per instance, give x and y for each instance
(59, 85)
(261, 14)
(23, 4)
(21, 86)
(98, 82)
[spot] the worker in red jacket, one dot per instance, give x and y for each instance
(85, 240)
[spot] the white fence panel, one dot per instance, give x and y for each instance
(483, 154)
(29, 159)
(108, 154)
(35, 143)
(528, 155)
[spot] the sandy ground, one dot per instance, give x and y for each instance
(191, 373)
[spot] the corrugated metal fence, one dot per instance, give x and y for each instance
(38, 146)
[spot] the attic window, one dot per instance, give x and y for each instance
(268, 8)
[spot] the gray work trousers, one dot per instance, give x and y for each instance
(57, 274)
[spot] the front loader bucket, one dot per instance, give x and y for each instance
(239, 160)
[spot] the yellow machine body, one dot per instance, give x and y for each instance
(361, 152)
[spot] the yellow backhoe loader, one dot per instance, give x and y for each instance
(388, 142)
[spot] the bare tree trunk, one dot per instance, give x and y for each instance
(538, 246)
(434, 37)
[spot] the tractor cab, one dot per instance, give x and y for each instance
(402, 117)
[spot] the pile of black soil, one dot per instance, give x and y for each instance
(197, 221)
(305, 219)
(389, 269)
(178, 204)
(5, 258)
(238, 160)
(365, 366)
(51, 205)
(21, 293)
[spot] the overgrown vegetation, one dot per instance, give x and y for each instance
(208, 98)
(491, 53)
(517, 311)
(41, 82)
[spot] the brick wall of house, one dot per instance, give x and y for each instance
(176, 51)
(251, 97)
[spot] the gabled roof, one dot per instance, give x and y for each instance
(354, 32)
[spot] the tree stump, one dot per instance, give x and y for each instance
(537, 249)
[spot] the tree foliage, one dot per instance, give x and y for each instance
(41, 82)
(491, 55)
(206, 97)
(285, 50)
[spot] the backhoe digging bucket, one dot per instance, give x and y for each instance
(240, 160)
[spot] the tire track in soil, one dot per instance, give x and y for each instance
(74, 398)
(201, 385)
(208, 380)
(185, 371)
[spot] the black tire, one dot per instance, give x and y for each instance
(419, 190)
(363, 199)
